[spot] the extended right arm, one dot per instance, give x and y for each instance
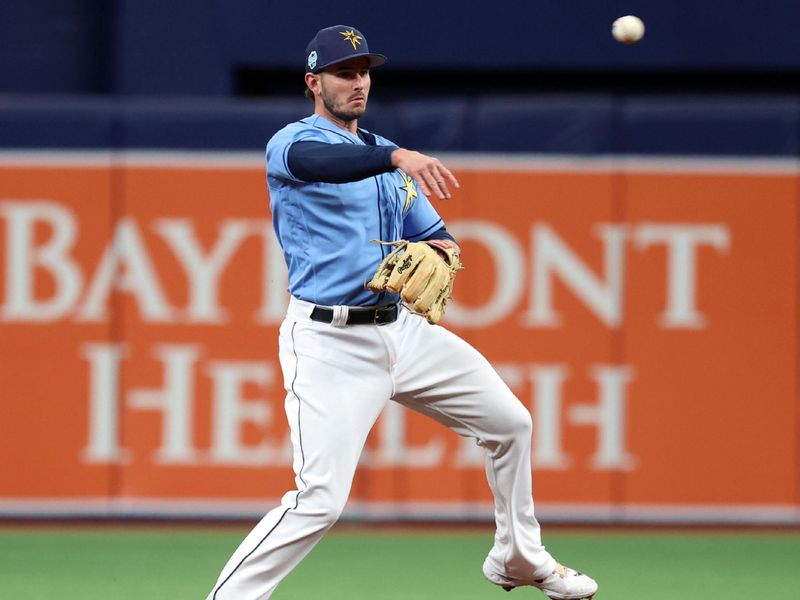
(342, 163)
(338, 163)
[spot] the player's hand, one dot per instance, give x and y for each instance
(428, 171)
(441, 246)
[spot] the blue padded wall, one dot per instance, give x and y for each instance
(228, 125)
(53, 122)
(719, 126)
(544, 124)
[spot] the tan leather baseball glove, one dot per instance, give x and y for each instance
(421, 274)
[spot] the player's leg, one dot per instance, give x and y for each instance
(454, 384)
(442, 376)
(334, 395)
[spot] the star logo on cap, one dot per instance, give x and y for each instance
(350, 36)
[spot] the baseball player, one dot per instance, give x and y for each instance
(346, 348)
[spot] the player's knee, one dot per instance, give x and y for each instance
(520, 424)
(513, 431)
(328, 515)
(323, 506)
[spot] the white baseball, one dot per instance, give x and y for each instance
(628, 29)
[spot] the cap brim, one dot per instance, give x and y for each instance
(375, 60)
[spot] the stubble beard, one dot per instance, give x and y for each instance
(346, 116)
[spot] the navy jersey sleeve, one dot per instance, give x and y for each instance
(337, 163)
(278, 149)
(441, 234)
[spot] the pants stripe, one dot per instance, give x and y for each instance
(299, 475)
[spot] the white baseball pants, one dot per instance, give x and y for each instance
(338, 379)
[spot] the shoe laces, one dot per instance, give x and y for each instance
(563, 571)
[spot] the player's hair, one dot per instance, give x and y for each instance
(309, 94)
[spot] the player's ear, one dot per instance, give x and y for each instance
(313, 83)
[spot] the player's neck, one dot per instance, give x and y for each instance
(351, 126)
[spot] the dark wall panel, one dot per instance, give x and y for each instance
(192, 47)
(56, 45)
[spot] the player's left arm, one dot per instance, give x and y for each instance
(422, 223)
(427, 259)
(443, 240)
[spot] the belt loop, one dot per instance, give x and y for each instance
(340, 314)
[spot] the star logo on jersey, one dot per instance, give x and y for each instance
(410, 189)
(350, 36)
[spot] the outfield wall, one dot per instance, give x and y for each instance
(645, 308)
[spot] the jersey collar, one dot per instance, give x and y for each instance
(321, 122)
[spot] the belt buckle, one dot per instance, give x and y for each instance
(379, 312)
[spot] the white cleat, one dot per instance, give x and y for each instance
(562, 584)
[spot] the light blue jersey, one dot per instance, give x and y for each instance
(325, 229)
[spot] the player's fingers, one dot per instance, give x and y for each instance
(452, 178)
(443, 188)
(437, 184)
(443, 175)
(441, 181)
(424, 186)
(436, 172)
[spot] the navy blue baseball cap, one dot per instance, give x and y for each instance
(336, 44)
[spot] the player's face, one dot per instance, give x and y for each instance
(344, 89)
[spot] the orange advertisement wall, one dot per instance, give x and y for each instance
(647, 318)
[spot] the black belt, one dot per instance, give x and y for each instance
(360, 316)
